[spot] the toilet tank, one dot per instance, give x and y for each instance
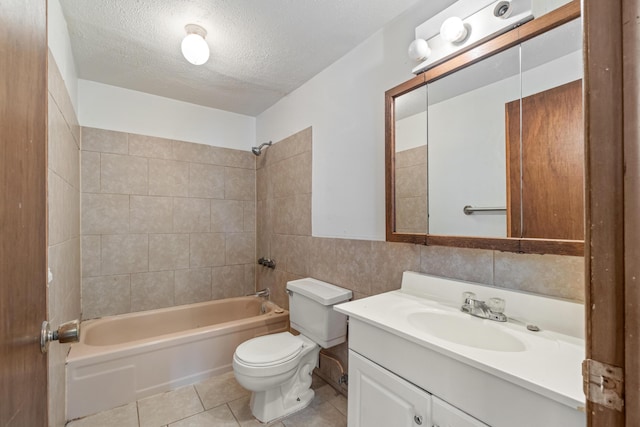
(311, 310)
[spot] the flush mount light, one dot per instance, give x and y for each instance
(419, 50)
(453, 30)
(194, 47)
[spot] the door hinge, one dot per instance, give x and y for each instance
(603, 384)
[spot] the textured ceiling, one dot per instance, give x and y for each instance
(260, 50)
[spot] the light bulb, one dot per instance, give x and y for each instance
(453, 30)
(195, 49)
(419, 50)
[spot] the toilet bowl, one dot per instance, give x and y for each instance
(277, 368)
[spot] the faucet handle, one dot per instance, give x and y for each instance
(466, 296)
(496, 305)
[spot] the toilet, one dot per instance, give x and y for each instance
(277, 368)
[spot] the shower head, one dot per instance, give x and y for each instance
(257, 150)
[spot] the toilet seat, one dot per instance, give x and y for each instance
(269, 350)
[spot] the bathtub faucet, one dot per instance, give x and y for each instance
(269, 263)
(263, 293)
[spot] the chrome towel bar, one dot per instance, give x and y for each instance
(469, 210)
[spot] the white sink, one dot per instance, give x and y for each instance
(466, 330)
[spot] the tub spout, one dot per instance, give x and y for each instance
(263, 293)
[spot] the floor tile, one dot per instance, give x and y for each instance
(169, 407)
(216, 417)
(323, 415)
(123, 416)
(221, 389)
(340, 403)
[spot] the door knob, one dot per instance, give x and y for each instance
(67, 332)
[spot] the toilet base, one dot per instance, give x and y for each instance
(290, 397)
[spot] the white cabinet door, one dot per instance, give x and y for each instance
(445, 415)
(379, 398)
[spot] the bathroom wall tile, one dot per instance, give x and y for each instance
(58, 92)
(291, 176)
(149, 214)
(249, 216)
(323, 259)
(123, 174)
(197, 153)
(228, 281)
(249, 278)
(55, 202)
(218, 417)
(411, 215)
(125, 253)
(90, 256)
(291, 146)
(239, 184)
(152, 290)
(412, 157)
(263, 228)
(122, 416)
(71, 218)
(219, 390)
(411, 181)
(169, 407)
(298, 255)
(105, 296)
(353, 264)
(168, 251)
(554, 275)
(292, 215)
(168, 178)
(474, 265)
(63, 150)
(191, 215)
(64, 263)
(105, 213)
(235, 158)
(389, 261)
(150, 146)
(279, 250)
(193, 285)
(90, 171)
(207, 249)
(206, 181)
(279, 288)
(227, 216)
(104, 141)
(241, 248)
(263, 184)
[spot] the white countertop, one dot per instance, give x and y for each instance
(550, 365)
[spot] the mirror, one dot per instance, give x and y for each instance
(489, 153)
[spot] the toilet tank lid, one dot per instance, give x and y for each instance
(322, 292)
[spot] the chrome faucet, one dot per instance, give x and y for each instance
(262, 293)
(475, 307)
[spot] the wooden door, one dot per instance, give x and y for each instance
(546, 172)
(23, 211)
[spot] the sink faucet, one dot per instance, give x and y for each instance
(479, 308)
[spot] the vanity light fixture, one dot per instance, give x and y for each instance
(194, 47)
(453, 30)
(419, 50)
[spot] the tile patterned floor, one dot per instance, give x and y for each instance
(217, 402)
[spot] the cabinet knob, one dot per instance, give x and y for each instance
(417, 419)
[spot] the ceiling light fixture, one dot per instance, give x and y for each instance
(194, 47)
(453, 30)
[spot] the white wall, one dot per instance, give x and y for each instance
(60, 46)
(115, 108)
(345, 106)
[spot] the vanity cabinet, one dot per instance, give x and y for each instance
(379, 398)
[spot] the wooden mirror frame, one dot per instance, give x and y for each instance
(562, 15)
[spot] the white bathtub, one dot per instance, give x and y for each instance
(121, 359)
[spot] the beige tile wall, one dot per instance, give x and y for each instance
(411, 190)
(63, 196)
(164, 222)
(372, 267)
